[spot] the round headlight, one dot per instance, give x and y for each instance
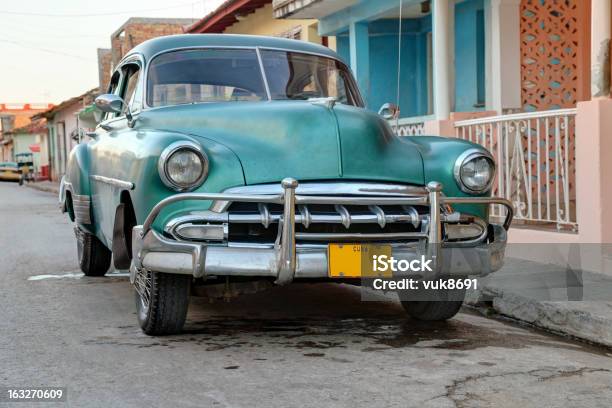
(183, 166)
(474, 171)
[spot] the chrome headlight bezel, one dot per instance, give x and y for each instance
(466, 157)
(167, 154)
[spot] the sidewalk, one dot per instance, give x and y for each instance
(574, 303)
(47, 186)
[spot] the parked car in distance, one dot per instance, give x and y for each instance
(25, 163)
(225, 159)
(9, 171)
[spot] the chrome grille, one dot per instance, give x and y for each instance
(306, 215)
(329, 222)
(326, 212)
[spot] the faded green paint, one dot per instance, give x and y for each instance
(252, 143)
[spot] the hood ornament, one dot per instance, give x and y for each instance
(328, 101)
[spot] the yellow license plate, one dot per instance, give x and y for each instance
(355, 260)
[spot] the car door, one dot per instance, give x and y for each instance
(113, 153)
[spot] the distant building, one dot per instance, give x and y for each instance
(105, 64)
(33, 138)
(256, 17)
(14, 116)
(134, 31)
(63, 128)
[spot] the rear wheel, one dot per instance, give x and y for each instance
(162, 300)
(94, 257)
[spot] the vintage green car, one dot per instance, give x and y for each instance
(223, 159)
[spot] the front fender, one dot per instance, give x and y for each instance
(75, 188)
(225, 170)
(439, 157)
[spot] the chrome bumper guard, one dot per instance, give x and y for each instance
(285, 261)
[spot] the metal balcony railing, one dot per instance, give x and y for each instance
(535, 154)
(409, 126)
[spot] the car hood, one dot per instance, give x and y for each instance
(297, 139)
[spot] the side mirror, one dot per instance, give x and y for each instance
(389, 111)
(114, 104)
(109, 103)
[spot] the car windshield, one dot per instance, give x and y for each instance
(293, 75)
(212, 75)
(225, 75)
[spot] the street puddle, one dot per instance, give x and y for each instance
(313, 337)
(75, 276)
(319, 319)
(64, 276)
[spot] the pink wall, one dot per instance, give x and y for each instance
(594, 170)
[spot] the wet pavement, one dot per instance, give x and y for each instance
(300, 346)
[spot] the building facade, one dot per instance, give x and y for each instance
(14, 116)
(64, 130)
(33, 139)
(381, 51)
(255, 17)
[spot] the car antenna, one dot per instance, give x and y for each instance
(399, 66)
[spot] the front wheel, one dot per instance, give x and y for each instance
(439, 308)
(432, 310)
(162, 300)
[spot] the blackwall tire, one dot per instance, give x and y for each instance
(162, 300)
(432, 311)
(94, 257)
(437, 309)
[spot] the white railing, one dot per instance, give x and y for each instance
(535, 155)
(409, 126)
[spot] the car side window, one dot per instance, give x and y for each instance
(131, 92)
(112, 89)
(114, 83)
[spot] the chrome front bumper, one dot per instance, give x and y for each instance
(286, 261)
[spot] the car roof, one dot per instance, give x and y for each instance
(150, 48)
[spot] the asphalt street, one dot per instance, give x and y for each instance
(299, 346)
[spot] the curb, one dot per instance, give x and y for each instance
(46, 188)
(582, 320)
